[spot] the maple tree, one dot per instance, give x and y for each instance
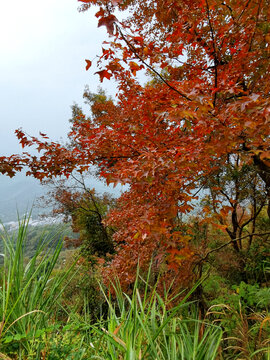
(208, 98)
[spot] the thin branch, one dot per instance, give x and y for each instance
(244, 8)
(231, 241)
(97, 211)
(230, 9)
(255, 27)
(193, 66)
(133, 49)
(214, 52)
(255, 215)
(227, 197)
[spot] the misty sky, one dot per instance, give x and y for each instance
(42, 69)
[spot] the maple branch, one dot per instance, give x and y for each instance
(100, 158)
(255, 25)
(230, 9)
(193, 66)
(236, 96)
(242, 12)
(133, 49)
(196, 193)
(214, 52)
(230, 242)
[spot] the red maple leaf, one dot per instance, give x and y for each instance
(88, 64)
(104, 74)
(108, 21)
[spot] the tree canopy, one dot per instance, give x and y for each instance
(208, 99)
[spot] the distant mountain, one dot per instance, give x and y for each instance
(19, 195)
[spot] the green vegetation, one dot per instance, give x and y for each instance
(48, 311)
(28, 291)
(147, 327)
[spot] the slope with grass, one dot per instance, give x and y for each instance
(46, 313)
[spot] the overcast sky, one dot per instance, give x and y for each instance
(44, 45)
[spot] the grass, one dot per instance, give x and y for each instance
(143, 325)
(28, 291)
(147, 327)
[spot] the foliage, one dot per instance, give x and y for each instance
(43, 317)
(237, 197)
(82, 295)
(246, 335)
(64, 342)
(252, 295)
(28, 292)
(33, 235)
(147, 327)
(208, 101)
(86, 210)
(200, 123)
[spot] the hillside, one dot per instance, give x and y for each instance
(18, 195)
